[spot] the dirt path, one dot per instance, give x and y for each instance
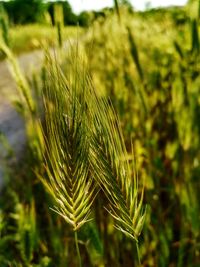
(11, 125)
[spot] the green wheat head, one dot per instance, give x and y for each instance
(67, 143)
(112, 170)
(82, 146)
(84, 142)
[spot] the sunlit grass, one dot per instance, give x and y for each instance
(24, 38)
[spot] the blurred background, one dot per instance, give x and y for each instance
(145, 57)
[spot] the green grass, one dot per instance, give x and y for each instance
(26, 38)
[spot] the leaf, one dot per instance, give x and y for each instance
(117, 8)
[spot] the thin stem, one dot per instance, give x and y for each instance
(138, 253)
(77, 248)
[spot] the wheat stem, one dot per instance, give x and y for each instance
(77, 248)
(138, 253)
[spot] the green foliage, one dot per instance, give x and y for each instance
(90, 236)
(26, 231)
(85, 18)
(194, 8)
(25, 12)
(158, 108)
(69, 18)
(21, 11)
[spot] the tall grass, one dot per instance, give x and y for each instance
(26, 38)
(155, 92)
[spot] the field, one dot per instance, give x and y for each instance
(26, 38)
(110, 172)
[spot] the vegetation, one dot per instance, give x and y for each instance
(33, 36)
(147, 72)
(144, 67)
(40, 11)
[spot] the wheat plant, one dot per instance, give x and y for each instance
(82, 147)
(83, 141)
(67, 144)
(112, 168)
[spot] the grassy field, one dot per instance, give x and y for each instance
(120, 113)
(26, 38)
